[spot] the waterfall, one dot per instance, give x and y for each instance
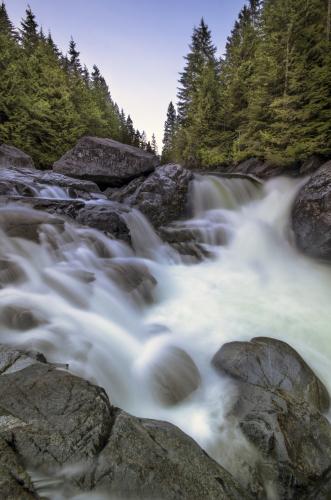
(145, 326)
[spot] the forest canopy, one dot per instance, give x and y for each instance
(48, 99)
(269, 96)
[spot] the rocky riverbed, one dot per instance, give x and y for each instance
(132, 296)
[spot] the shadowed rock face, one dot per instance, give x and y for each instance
(105, 162)
(13, 157)
(278, 408)
(64, 428)
(162, 197)
(311, 215)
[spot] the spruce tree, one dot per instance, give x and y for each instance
(170, 128)
(154, 145)
(29, 30)
(202, 51)
(74, 61)
(6, 27)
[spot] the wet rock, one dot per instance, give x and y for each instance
(149, 459)
(22, 222)
(311, 215)
(278, 409)
(10, 272)
(162, 197)
(294, 438)
(53, 417)
(271, 363)
(132, 277)
(14, 157)
(14, 481)
(169, 371)
(108, 218)
(106, 162)
(20, 318)
(51, 420)
(29, 182)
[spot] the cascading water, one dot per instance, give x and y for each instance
(68, 297)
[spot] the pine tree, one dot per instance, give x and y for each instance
(6, 27)
(154, 145)
(170, 128)
(29, 30)
(202, 51)
(74, 61)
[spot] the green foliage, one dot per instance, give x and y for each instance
(270, 97)
(48, 100)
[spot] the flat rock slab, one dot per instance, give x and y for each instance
(30, 182)
(105, 162)
(311, 215)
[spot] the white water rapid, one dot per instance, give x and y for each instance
(256, 284)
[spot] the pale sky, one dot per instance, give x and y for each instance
(138, 45)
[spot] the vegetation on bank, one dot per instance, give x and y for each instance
(48, 100)
(268, 97)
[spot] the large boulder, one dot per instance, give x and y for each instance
(106, 162)
(311, 215)
(148, 459)
(162, 197)
(64, 428)
(13, 157)
(278, 408)
(271, 363)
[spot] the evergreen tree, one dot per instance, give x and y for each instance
(74, 61)
(29, 30)
(170, 127)
(6, 27)
(201, 52)
(154, 145)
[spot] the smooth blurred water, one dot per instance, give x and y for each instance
(257, 284)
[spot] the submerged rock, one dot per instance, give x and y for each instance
(132, 277)
(278, 409)
(22, 222)
(106, 162)
(14, 157)
(169, 371)
(311, 215)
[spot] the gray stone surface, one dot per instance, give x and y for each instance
(278, 407)
(148, 460)
(271, 363)
(311, 215)
(13, 157)
(162, 197)
(105, 162)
